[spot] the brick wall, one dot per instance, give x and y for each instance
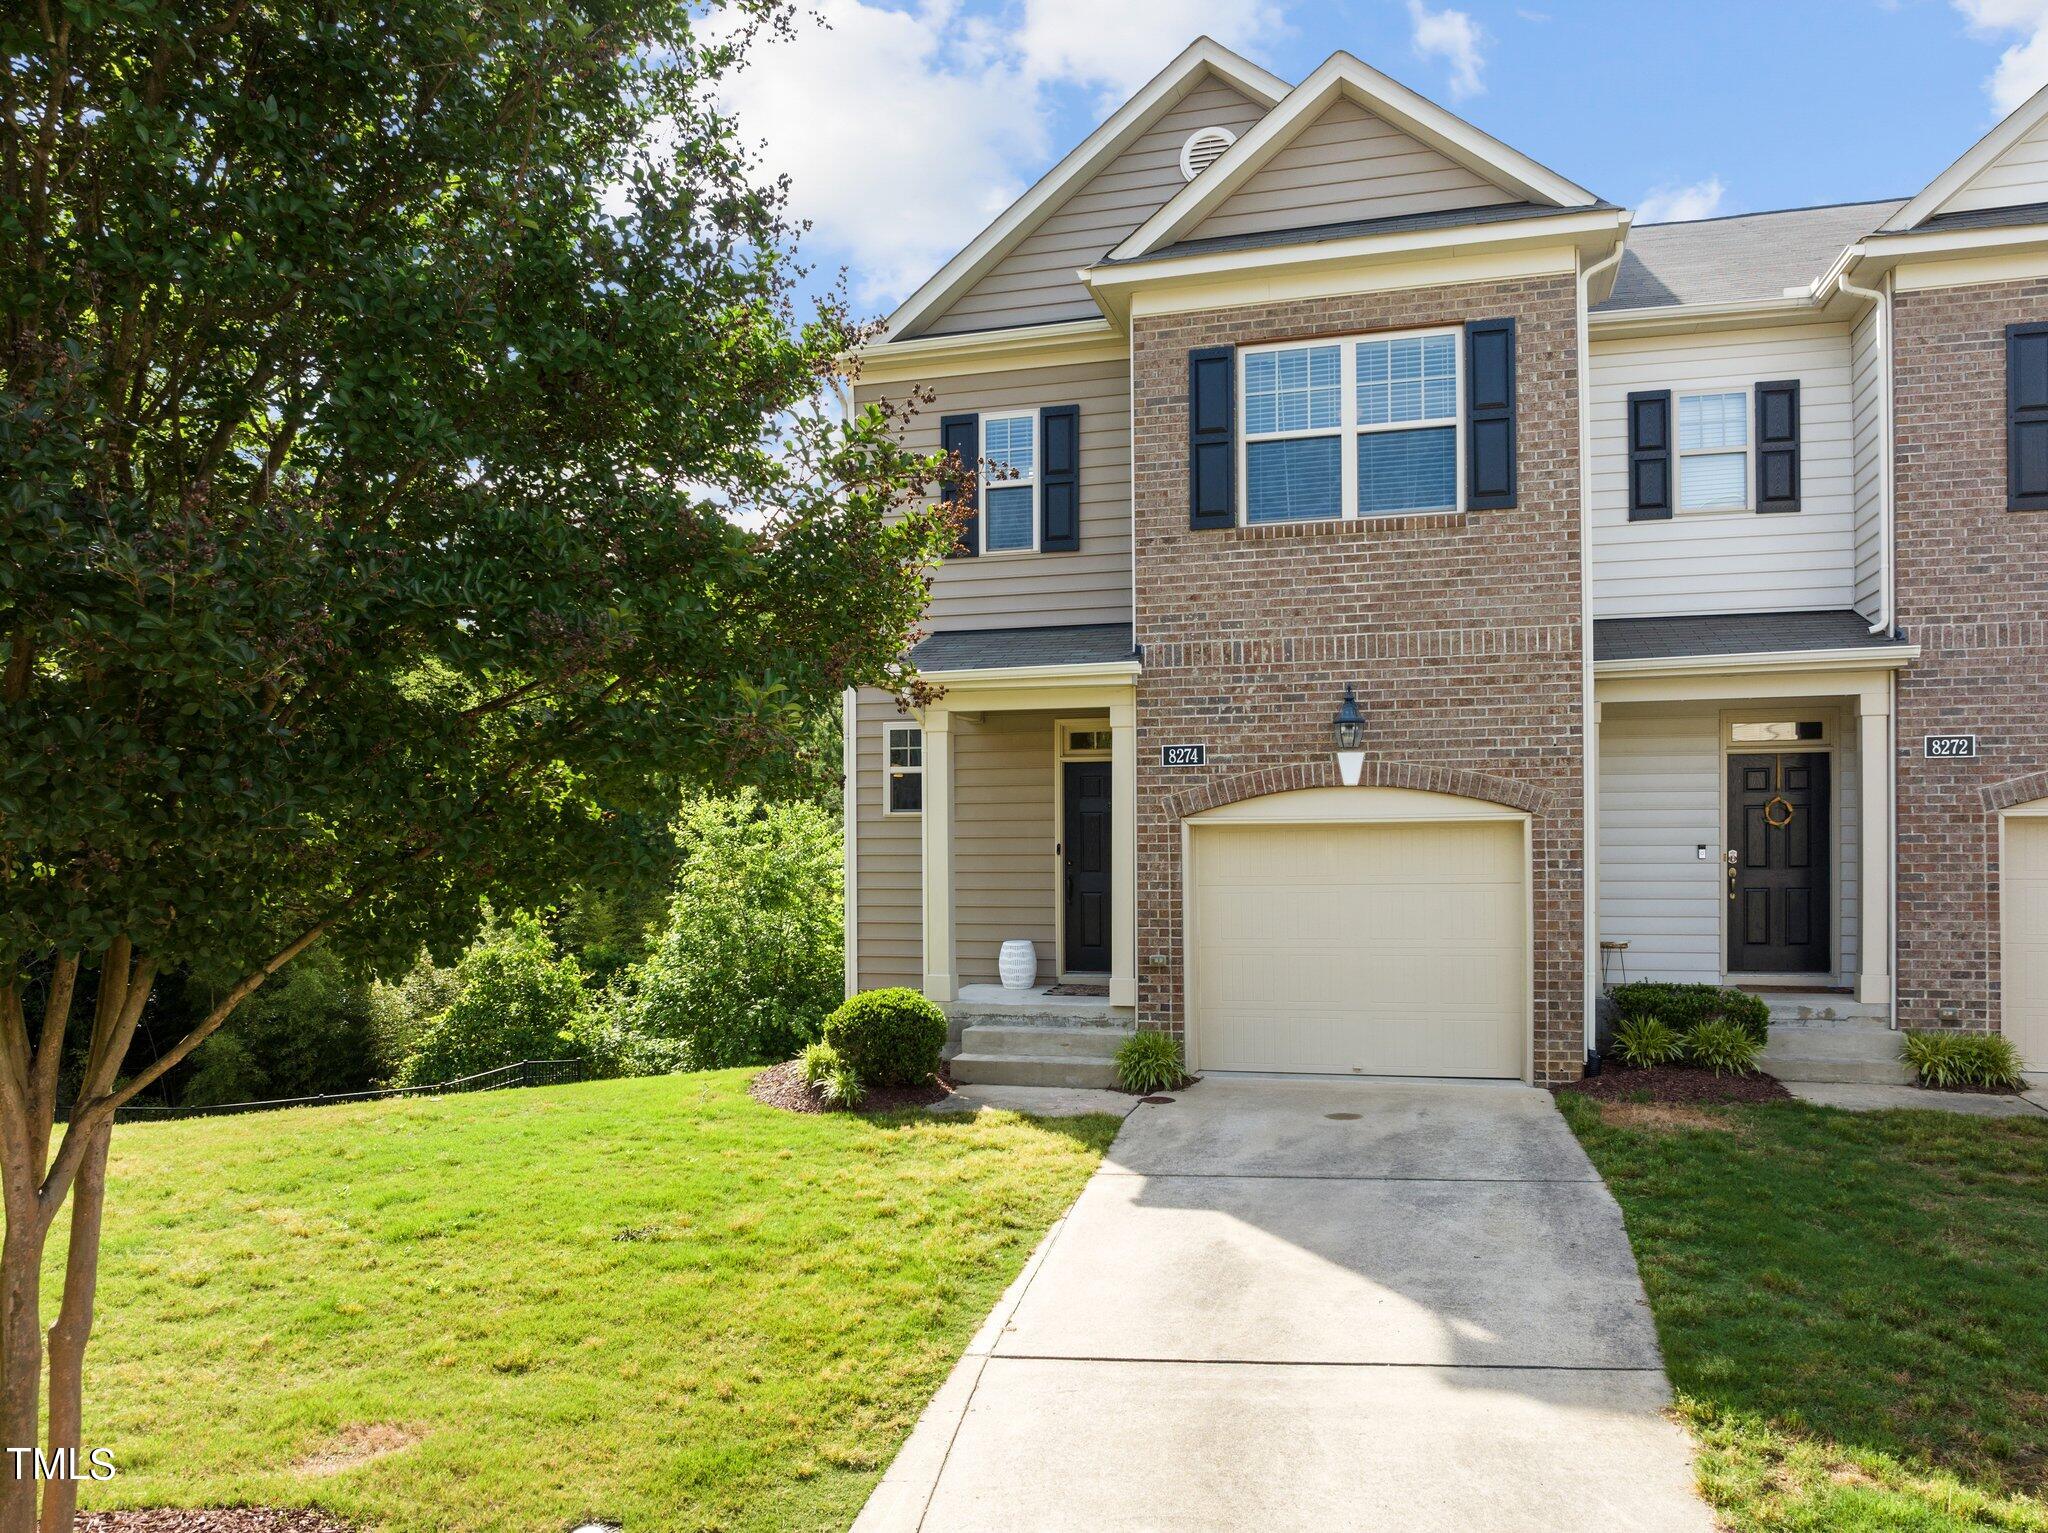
(1973, 593)
(1461, 633)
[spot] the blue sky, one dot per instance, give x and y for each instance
(905, 125)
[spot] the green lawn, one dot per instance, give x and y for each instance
(1853, 1307)
(653, 1301)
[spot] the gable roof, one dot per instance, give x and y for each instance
(1341, 76)
(1748, 256)
(1204, 56)
(1974, 161)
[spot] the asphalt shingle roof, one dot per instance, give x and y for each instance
(1739, 633)
(993, 649)
(1983, 218)
(1730, 260)
(1316, 234)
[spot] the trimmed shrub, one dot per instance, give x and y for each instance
(1684, 1007)
(1964, 1059)
(750, 959)
(516, 1000)
(1643, 1043)
(888, 1037)
(1149, 1061)
(1723, 1046)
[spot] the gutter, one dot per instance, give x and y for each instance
(1890, 657)
(1881, 298)
(1033, 675)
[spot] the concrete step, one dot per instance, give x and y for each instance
(1032, 1070)
(1859, 1053)
(1026, 1041)
(1803, 1006)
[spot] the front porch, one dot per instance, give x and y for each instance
(1745, 826)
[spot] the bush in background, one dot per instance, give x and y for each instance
(749, 962)
(1684, 1007)
(400, 1010)
(888, 1037)
(515, 999)
(309, 1032)
(1984, 1060)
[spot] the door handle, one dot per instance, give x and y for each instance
(1070, 886)
(1733, 858)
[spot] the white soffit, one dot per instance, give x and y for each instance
(1125, 125)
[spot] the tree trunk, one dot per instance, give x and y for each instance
(21, 1363)
(73, 1328)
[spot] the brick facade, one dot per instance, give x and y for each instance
(1461, 632)
(1973, 593)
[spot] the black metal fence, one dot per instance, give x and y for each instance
(527, 1072)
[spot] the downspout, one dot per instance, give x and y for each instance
(1881, 298)
(1589, 699)
(1887, 594)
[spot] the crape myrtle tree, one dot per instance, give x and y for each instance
(414, 464)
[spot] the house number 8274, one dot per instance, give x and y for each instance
(1183, 755)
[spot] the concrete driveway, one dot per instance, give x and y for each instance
(1294, 1304)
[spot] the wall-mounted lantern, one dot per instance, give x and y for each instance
(1349, 729)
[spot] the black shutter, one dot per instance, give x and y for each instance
(1490, 414)
(1649, 456)
(961, 436)
(1212, 437)
(1777, 446)
(2026, 417)
(1059, 478)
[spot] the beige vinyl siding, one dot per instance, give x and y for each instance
(1867, 394)
(1346, 165)
(1091, 584)
(1034, 283)
(1003, 841)
(1663, 780)
(1727, 561)
(888, 897)
(2015, 179)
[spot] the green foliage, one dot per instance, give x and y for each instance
(840, 1086)
(818, 1060)
(308, 1032)
(1148, 1061)
(393, 519)
(400, 1009)
(516, 1000)
(1944, 1058)
(1644, 1042)
(750, 961)
(888, 1037)
(1684, 1007)
(1724, 1046)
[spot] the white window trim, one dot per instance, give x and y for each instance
(1022, 482)
(1748, 450)
(889, 768)
(1349, 429)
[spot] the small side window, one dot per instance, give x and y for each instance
(903, 769)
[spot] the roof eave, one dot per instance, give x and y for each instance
(1868, 657)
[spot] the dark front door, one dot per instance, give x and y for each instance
(1778, 910)
(1084, 857)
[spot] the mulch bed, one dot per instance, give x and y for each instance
(783, 1086)
(1675, 1083)
(231, 1519)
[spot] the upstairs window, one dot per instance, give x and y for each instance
(1009, 443)
(1352, 428)
(1713, 452)
(903, 769)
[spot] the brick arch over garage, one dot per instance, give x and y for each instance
(1458, 782)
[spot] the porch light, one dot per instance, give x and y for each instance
(1349, 729)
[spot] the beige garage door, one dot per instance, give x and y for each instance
(2026, 938)
(1360, 949)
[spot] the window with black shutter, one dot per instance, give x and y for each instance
(2026, 417)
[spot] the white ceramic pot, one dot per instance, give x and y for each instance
(1018, 964)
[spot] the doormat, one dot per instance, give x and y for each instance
(1095, 990)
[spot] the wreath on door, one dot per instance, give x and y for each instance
(1778, 802)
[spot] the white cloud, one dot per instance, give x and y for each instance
(2023, 66)
(1120, 44)
(1454, 37)
(1679, 204)
(899, 146)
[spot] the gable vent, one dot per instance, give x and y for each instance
(1204, 148)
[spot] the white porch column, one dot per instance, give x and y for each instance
(1123, 860)
(1874, 763)
(938, 855)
